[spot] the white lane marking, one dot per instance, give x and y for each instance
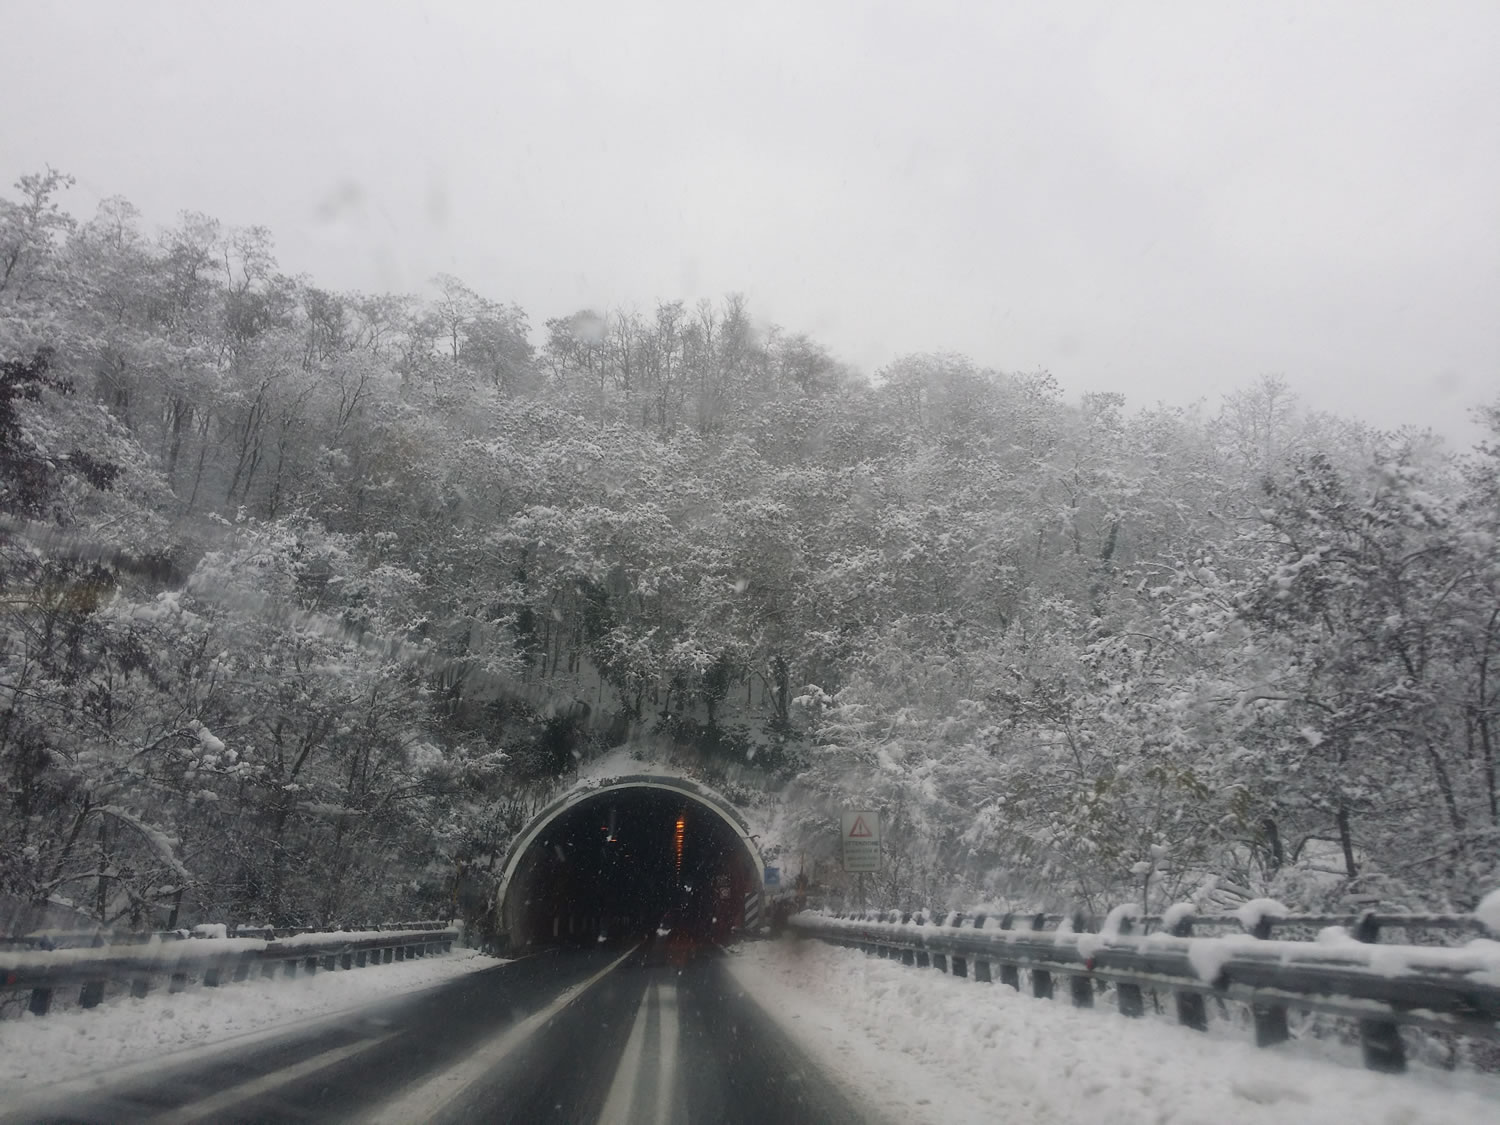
(619, 1106)
(666, 1082)
(433, 1096)
(621, 1098)
(216, 1104)
(46, 1098)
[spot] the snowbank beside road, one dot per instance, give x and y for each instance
(39, 1051)
(937, 1048)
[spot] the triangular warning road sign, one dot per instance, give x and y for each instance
(859, 828)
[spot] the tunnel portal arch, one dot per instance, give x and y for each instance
(522, 919)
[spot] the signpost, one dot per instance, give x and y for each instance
(860, 833)
(861, 837)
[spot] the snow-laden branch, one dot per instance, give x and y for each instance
(157, 840)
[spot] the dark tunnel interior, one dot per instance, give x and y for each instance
(630, 863)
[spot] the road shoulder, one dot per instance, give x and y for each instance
(85, 1049)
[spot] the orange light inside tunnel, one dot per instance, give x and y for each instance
(677, 842)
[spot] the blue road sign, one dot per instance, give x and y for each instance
(773, 876)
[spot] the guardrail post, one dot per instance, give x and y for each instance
(41, 1001)
(389, 954)
(1379, 1040)
(1270, 1019)
(1082, 989)
(1010, 973)
(242, 966)
(178, 983)
(91, 995)
(1128, 997)
(981, 966)
(289, 968)
(361, 958)
(1191, 1011)
(1130, 1000)
(1041, 979)
(400, 953)
(1081, 985)
(139, 987)
(923, 959)
(908, 956)
(940, 960)
(211, 976)
(959, 963)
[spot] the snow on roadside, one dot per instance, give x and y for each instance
(929, 1047)
(36, 1051)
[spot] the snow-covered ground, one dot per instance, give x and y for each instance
(929, 1047)
(39, 1051)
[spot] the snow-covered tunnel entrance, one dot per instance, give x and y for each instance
(628, 856)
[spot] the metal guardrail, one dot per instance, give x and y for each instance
(1265, 924)
(213, 961)
(1382, 987)
(94, 939)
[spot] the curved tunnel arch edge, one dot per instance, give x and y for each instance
(582, 794)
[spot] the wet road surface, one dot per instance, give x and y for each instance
(607, 1036)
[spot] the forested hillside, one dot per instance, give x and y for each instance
(307, 598)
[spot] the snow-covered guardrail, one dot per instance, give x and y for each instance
(213, 962)
(1343, 972)
(80, 939)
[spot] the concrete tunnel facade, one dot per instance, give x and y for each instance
(623, 857)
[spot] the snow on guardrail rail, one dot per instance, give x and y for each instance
(1342, 971)
(211, 961)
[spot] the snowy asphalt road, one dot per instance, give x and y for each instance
(599, 1036)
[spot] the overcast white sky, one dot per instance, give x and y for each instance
(1165, 199)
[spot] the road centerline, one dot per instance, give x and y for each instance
(666, 1082)
(621, 1098)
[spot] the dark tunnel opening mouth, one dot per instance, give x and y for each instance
(631, 862)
